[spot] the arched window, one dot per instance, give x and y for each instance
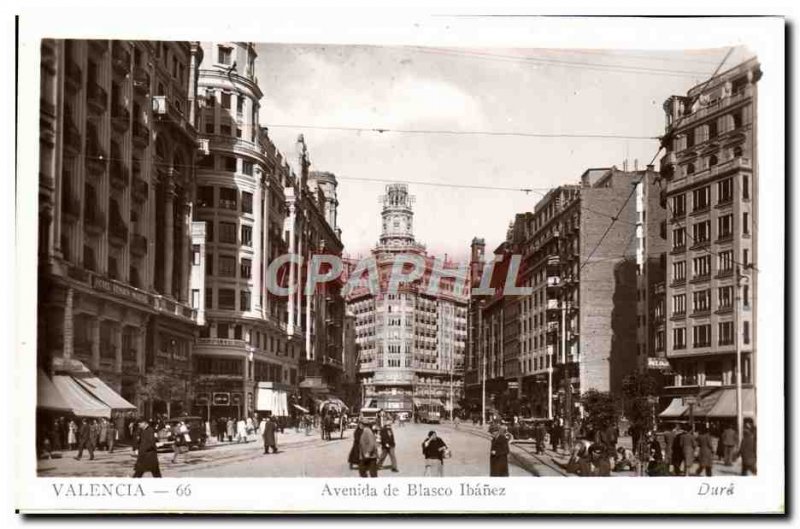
(712, 160)
(690, 168)
(737, 152)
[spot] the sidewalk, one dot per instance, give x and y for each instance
(120, 463)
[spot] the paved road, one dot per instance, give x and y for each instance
(299, 456)
(329, 459)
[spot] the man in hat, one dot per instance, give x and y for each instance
(388, 444)
(498, 457)
(269, 436)
(147, 456)
(368, 452)
(433, 448)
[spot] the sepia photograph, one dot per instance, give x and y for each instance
(274, 259)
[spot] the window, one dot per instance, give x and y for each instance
(701, 301)
(226, 100)
(746, 332)
(244, 300)
(678, 238)
(229, 163)
(246, 268)
(227, 197)
(195, 298)
(737, 152)
(746, 296)
(690, 138)
(745, 257)
(746, 223)
(227, 232)
(679, 338)
(226, 301)
(247, 235)
(225, 130)
(195, 254)
(227, 267)
(745, 187)
(713, 160)
(224, 54)
(701, 231)
(725, 227)
(725, 261)
(725, 297)
(737, 119)
(679, 205)
(725, 191)
(689, 168)
(209, 298)
(209, 263)
(713, 129)
(247, 198)
(679, 304)
(209, 127)
(701, 198)
(205, 197)
(701, 335)
(238, 132)
(701, 266)
(725, 329)
(679, 271)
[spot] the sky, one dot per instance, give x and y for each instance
(530, 91)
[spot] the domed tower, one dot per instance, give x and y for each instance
(326, 182)
(397, 216)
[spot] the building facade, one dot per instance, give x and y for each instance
(117, 151)
(711, 174)
(411, 344)
(243, 356)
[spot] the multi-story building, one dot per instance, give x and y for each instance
(411, 343)
(315, 320)
(711, 174)
(117, 151)
(577, 329)
(243, 360)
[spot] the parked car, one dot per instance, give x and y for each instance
(197, 432)
(369, 415)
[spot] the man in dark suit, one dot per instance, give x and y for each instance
(688, 444)
(85, 440)
(669, 441)
(147, 456)
(748, 449)
(269, 436)
(498, 456)
(387, 445)
(706, 456)
(728, 441)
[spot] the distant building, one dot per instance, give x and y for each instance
(411, 344)
(711, 174)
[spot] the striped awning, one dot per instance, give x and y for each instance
(47, 395)
(101, 391)
(80, 401)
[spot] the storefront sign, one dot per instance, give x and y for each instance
(201, 399)
(221, 399)
(236, 399)
(657, 363)
(119, 289)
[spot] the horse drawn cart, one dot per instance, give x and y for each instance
(334, 418)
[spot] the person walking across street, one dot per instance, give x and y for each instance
(147, 458)
(103, 437)
(539, 432)
(498, 455)
(669, 442)
(269, 436)
(179, 445)
(111, 435)
(85, 440)
(387, 446)
(728, 441)
(705, 458)
(368, 453)
(353, 457)
(434, 449)
(230, 429)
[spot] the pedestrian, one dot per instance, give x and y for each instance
(747, 449)
(669, 441)
(103, 437)
(387, 447)
(367, 453)
(262, 426)
(249, 429)
(687, 444)
(555, 435)
(84, 440)
(111, 436)
(353, 457)
(55, 435)
(728, 441)
(241, 431)
(434, 449)
(147, 458)
(626, 460)
(179, 445)
(601, 460)
(706, 455)
(230, 429)
(498, 454)
(538, 435)
(72, 437)
(269, 436)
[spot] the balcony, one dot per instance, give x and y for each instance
(170, 113)
(95, 156)
(72, 136)
(141, 81)
(96, 97)
(141, 134)
(93, 220)
(74, 74)
(117, 233)
(138, 245)
(140, 189)
(120, 118)
(119, 175)
(121, 58)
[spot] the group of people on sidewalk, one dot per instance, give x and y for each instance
(77, 434)
(364, 451)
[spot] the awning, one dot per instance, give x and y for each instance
(80, 401)
(100, 390)
(725, 405)
(675, 409)
(333, 402)
(47, 396)
(273, 400)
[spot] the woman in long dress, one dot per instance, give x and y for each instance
(72, 440)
